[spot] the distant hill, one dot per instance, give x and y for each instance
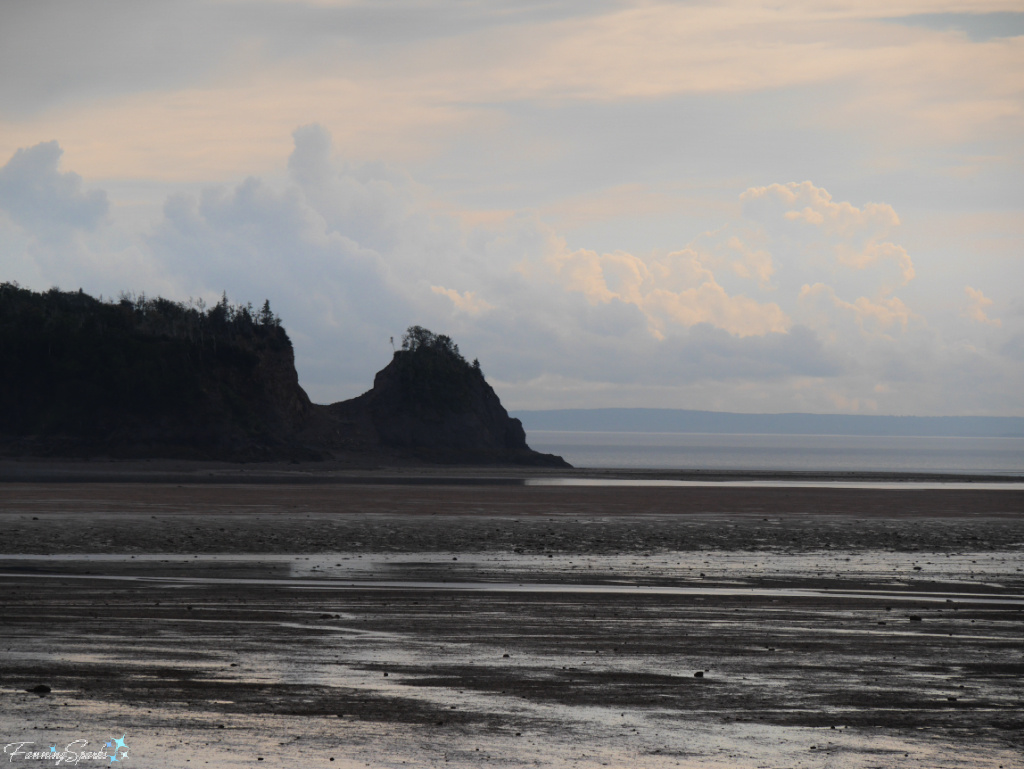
(146, 378)
(685, 421)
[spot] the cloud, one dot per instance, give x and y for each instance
(675, 290)
(975, 307)
(814, 205)
(711, 353)
(752, 262)
(47, 203)
(978, 26)
(411, 80)
(856, 237)
(358, 250)
(255, 241)
(879, 315)
(760, 313)
(467, 301)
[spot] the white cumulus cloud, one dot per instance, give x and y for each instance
(467, 301)
(856, 237)
(676, 290)
(976, 307)
(880, 315)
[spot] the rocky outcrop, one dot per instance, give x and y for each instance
(153, 378)
(429, 403)
(142, 377)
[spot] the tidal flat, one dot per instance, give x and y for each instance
(390, 625)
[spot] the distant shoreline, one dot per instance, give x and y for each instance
(644, 420)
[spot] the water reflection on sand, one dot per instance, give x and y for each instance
(859, 658)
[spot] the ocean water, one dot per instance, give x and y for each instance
(702, 451)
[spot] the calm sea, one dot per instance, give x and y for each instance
(697, 451)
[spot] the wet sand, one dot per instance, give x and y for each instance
(498, 625)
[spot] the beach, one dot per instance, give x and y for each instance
(471, 620)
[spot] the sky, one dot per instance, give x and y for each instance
(731, 206)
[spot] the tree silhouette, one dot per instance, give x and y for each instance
(417, 337)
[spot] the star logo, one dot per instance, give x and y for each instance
(53, 748)
(117, 745)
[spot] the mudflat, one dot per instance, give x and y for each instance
(486, 623)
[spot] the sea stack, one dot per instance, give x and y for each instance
(430, 403)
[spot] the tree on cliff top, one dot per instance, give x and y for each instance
(417, 337)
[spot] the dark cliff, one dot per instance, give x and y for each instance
(139, 377)
(142, 377)
(430, 403)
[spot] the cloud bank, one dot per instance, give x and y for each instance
(797, 301)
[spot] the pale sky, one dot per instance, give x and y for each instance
(735, 206)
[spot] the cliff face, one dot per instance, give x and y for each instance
(426, 399)
(144, 378)
(153, 378)
(430, 403)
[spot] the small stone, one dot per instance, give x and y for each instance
(914, 618)
(699, 674)
(40, 689)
